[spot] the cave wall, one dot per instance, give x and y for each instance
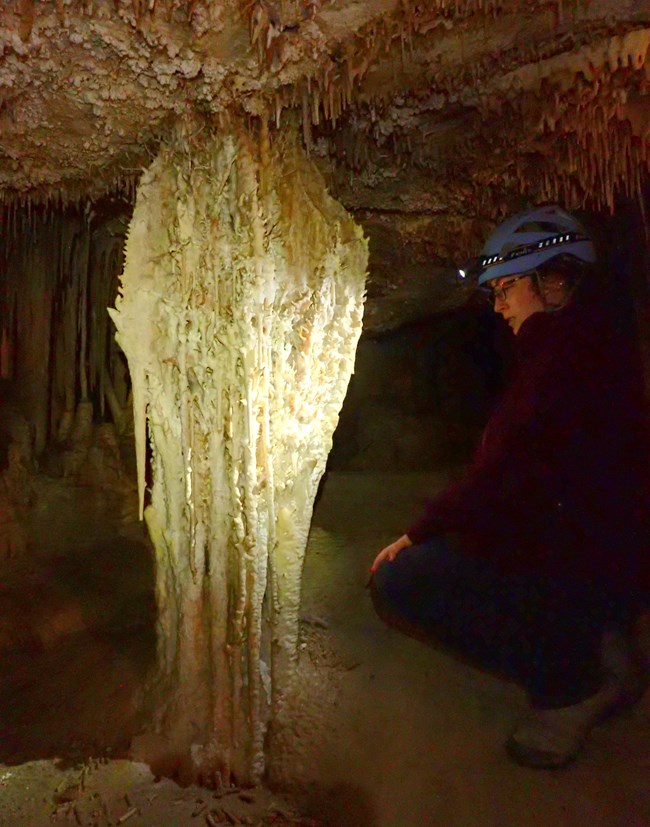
(421, 394)
(427, 366)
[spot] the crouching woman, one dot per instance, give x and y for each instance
(532, 563)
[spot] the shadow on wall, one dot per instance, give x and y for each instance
(421, 395)
(345, 805)
(76, 630)
(623, 241)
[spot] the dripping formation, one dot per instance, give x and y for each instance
(239, 312)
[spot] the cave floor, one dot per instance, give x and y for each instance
(384, 731)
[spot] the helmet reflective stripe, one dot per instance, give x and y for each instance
(527, 240)
(517, 252)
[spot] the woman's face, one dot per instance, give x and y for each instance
(515, 298)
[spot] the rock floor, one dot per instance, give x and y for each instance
(415, 737)
(384, 731)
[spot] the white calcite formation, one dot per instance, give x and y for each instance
(240, 310)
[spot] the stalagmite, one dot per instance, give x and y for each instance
(240, 311)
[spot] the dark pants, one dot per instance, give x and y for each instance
(542, 633)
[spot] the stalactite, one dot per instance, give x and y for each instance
(239, 315)
(80, 264)
(334, 81)
(104, 265)
(33, 321)
(65, 345)
(306, 122)
(26, 11)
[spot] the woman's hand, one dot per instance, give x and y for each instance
(391, 552)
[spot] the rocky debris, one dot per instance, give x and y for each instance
(314, 620)
(103, 793)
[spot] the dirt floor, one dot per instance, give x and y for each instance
(385, 732)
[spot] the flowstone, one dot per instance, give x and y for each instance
(239, 312)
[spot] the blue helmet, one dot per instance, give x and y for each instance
(529, 239)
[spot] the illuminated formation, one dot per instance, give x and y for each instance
(430, 121)
(240, 311)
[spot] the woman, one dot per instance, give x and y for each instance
(532, 561)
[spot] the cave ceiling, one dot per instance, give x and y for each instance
(430, 120)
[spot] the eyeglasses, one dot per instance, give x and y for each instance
(501, 292)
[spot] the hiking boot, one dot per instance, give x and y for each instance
(552, 738)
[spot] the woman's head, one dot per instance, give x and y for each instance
(533, 262)
(549, 287)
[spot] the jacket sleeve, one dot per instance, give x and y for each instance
(489, 493)
(513, 480)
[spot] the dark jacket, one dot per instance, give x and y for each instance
(558, 483)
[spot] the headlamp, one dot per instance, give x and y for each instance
(469, 272)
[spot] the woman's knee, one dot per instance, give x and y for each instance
(402, 579)
(421, 568)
